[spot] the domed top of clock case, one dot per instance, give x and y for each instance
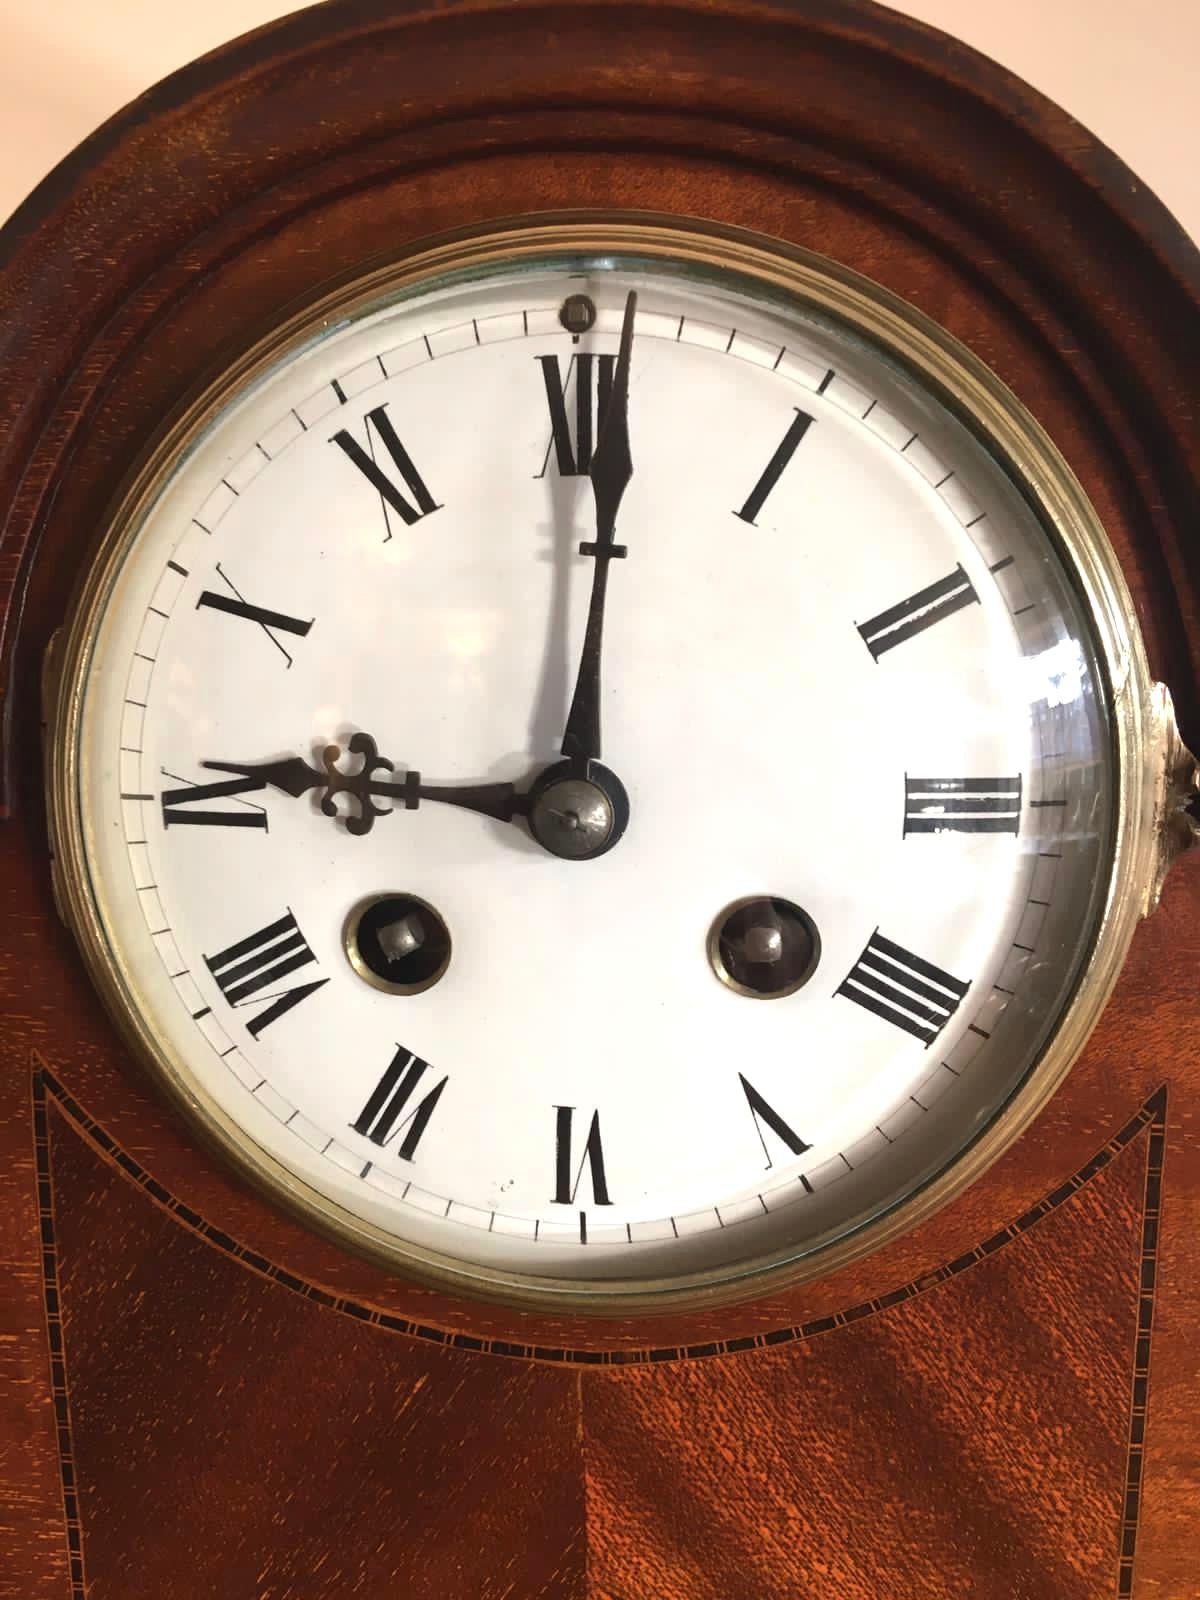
(240, 185)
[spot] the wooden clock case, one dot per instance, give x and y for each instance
(198, 1397)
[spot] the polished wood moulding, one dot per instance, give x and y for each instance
(200, 1397)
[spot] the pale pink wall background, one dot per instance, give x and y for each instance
(1130, 72)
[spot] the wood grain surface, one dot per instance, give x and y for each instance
(197, 1396)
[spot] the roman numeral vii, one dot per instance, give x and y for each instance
(388, 1111)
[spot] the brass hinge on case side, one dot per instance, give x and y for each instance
(1177, 792)
(51, 676)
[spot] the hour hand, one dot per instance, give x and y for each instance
(294, 776)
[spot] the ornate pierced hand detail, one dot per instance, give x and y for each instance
(293, 775)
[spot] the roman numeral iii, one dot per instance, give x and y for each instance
(903, 989)
(962, 805)
(590, 377)
(378, 423)
(261, 962)
(920, 611)
(567, 1173)
(388, 1112)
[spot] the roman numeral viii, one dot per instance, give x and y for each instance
(377, 422)
(567, 1174)
(903, 989)
(920, 611)
(591, 377)
(384, 1115)
(261, 962)
(962, 805)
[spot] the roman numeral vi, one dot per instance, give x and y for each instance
(567, 1175)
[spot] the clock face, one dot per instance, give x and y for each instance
(505, 1004)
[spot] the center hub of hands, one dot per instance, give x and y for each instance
(578, 815)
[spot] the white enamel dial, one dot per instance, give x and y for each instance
(842, 666)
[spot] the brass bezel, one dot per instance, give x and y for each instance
(943, 365)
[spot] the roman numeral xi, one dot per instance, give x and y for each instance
(261, 962)
(590, 376)
(377, 423)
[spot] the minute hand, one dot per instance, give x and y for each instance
(611, 470)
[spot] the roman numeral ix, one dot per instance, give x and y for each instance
(377, 422)
(592, 377)
(962, 805)
(383, 1116)
(920, 611)
(567, 1174)
(903, 989)
(176, 801)
(261, 962)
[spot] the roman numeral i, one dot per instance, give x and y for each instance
(775, 467)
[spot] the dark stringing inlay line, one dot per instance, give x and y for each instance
(54, 1334)
(1152, 1114)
